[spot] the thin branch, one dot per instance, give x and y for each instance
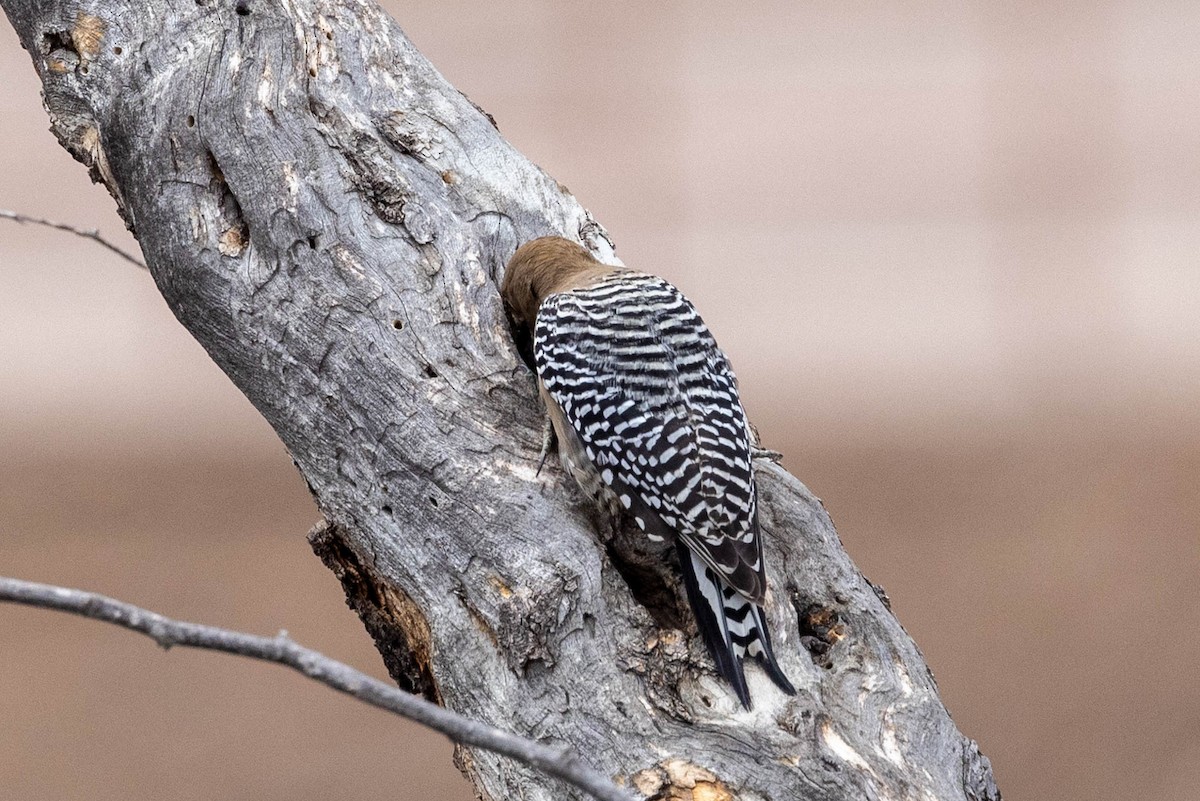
(558, 762)
(92, 234)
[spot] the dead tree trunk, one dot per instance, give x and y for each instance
(330, 218)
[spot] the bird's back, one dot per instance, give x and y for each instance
(639, 377)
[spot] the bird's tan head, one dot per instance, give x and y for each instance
(543, 267)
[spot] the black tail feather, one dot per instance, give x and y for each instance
(713, 629)
(767, 657)
(710, 599)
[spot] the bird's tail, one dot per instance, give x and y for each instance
(732, 625)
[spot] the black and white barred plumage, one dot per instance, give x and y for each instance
(648, 416)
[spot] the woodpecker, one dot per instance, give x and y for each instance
(646, 412)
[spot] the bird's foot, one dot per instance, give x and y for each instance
(758, 452)
(547, 444)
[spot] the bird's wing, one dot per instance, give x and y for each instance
(641, 381)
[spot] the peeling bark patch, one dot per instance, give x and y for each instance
(232, 241)
(395, 622)
(820, 630)
(97, 161)
(677, 780)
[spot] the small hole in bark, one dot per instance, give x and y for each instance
(398, 325)
(57, 40)
(117, 50)
(312, 71)
(83, 68)
(191, 121)
(242, 8)
(312, 241)
(433, 502)
(430, 372)
(649, 585)
(707, 701)
(387, 510)
(821, 629)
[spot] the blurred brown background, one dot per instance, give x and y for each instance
(953, 251)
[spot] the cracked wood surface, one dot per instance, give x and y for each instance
(330, 218)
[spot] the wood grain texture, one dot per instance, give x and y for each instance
(329, 218)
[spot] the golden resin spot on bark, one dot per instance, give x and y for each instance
(87, 34)
(502, 588)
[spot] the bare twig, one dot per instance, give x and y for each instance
(558, 762)
(92, 234)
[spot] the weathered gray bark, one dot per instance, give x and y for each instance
(329, 218)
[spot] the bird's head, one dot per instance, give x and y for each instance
(541, 268)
